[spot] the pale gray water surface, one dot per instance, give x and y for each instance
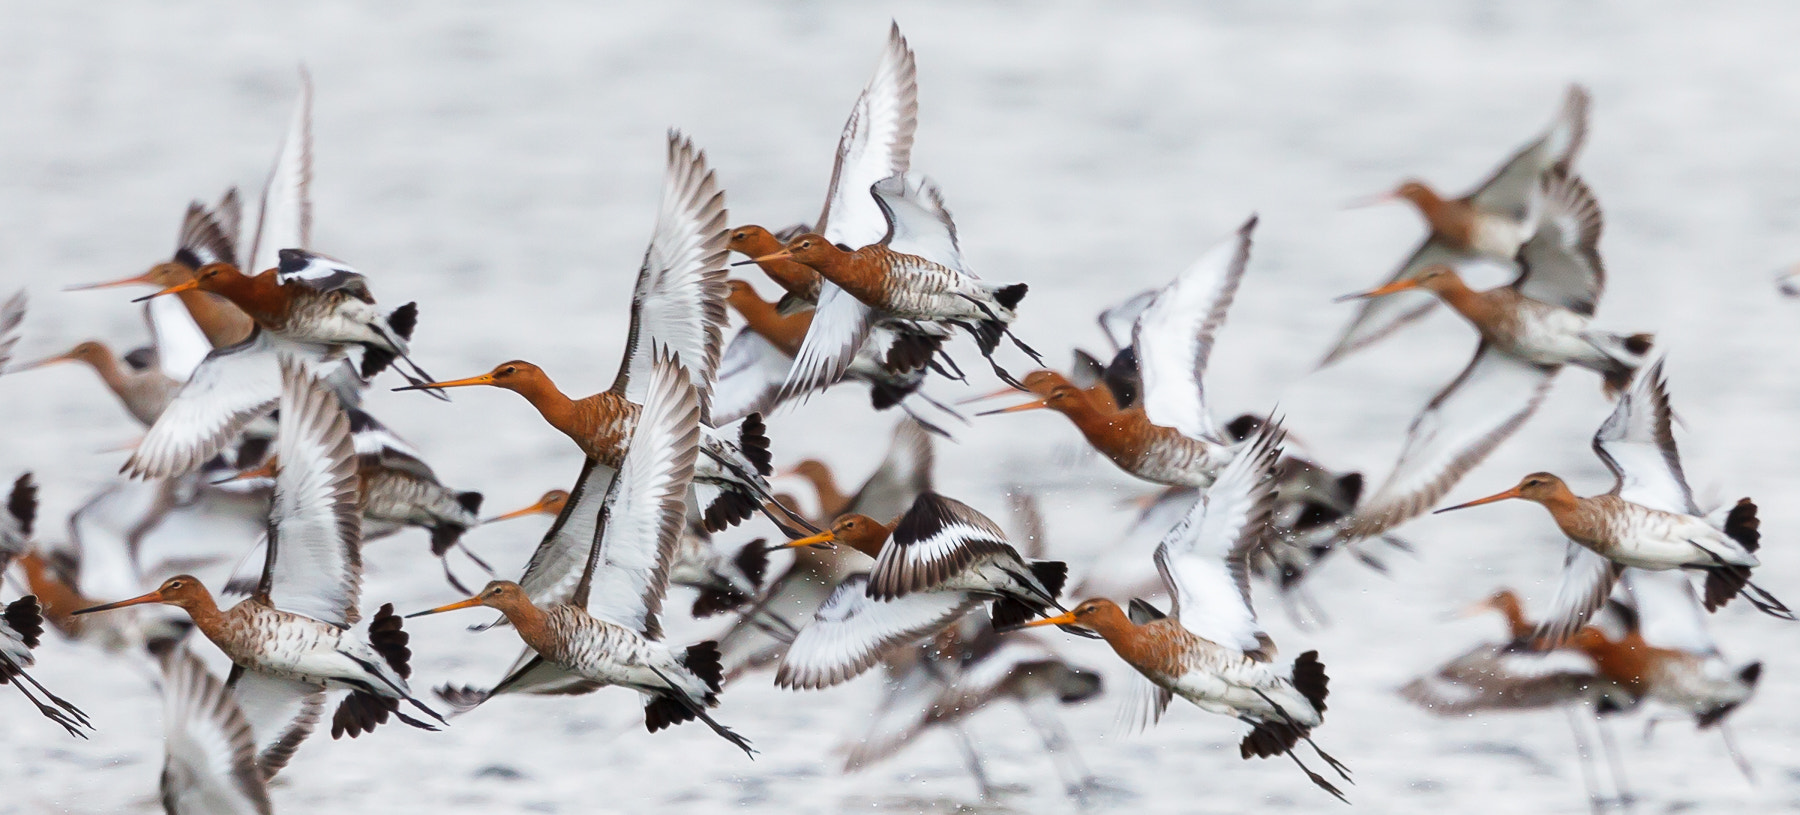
(499, 164)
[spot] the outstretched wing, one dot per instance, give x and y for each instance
(209, 750)
(628, 571)
(840, 326)
(679, 302)
(750, 377)
(285, 219)
(1587, 581)
(1513, 189)
(918, 223)
(876, 143)
(180, 344)
(314, 561)
(904, 474)
(852, 631)
(1669, 615)
(1560, 265)
(1205, 560)
(561, 558)
(935, 540)
(12, 314)
(281, 712)
(1174, 336)
(231, 388)
(1463, 424)
(1637, 443)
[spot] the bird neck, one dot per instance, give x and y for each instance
(1451, 221)
(558, 409)
(870, 543)
(858, 272)
(207, 617)
(1516, 624)
(1569, 512)
(831, 499)
(785, 332)
(1478, 307)
(260, 296)
(1627, 660)
(222, 322)
(532, 623)
(1110, 622)
(107, 366)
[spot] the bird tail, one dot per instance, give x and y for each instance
(1624, 353)
(1009, 612)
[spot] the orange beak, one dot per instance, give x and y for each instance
(1498, 496)
(264, 470)
(1407, 284)
(175, 289)
(823, 540)
(1372, 200)
(1035, 404)
(545, 506)
(472, 602)
(140, 280)
(996, 394)
(1065, 618)
(781, 255)
(69, 357)
(152, 597)
(484, 379)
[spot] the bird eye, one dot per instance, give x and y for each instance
(175, 584)
(806, 244)
(508, 370)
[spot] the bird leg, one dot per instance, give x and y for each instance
(1614, 765)
(1590, 780)
(1076, 778)
(972, 759)
(1737, 757)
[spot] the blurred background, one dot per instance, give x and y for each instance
(500, 164)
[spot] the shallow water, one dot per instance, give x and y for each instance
(500, 166)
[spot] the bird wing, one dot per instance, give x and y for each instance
(1587, 580)
(904, 474)
(561, 558)
(180, 344)
(1560, 265)
(678, 303)
(876, 143)
(232, 387)
(1205, 560)
(840, 326)
(852, 631)
(901, 715)
(937, 539)
(628, 568)
(281, 712)
(1637, 443)
(750, 377)
(1494, 677)
(1514, 188)
(1378, 317)
(319, 272)
(1174, 335)
(285, 219)
(12, 315)
(1487, 403)
(1669, 615)
(1120, 321)
(374, 441)
(17, 520)
(917, 221)
(208, 747)
(314, 561)
(538, 676)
